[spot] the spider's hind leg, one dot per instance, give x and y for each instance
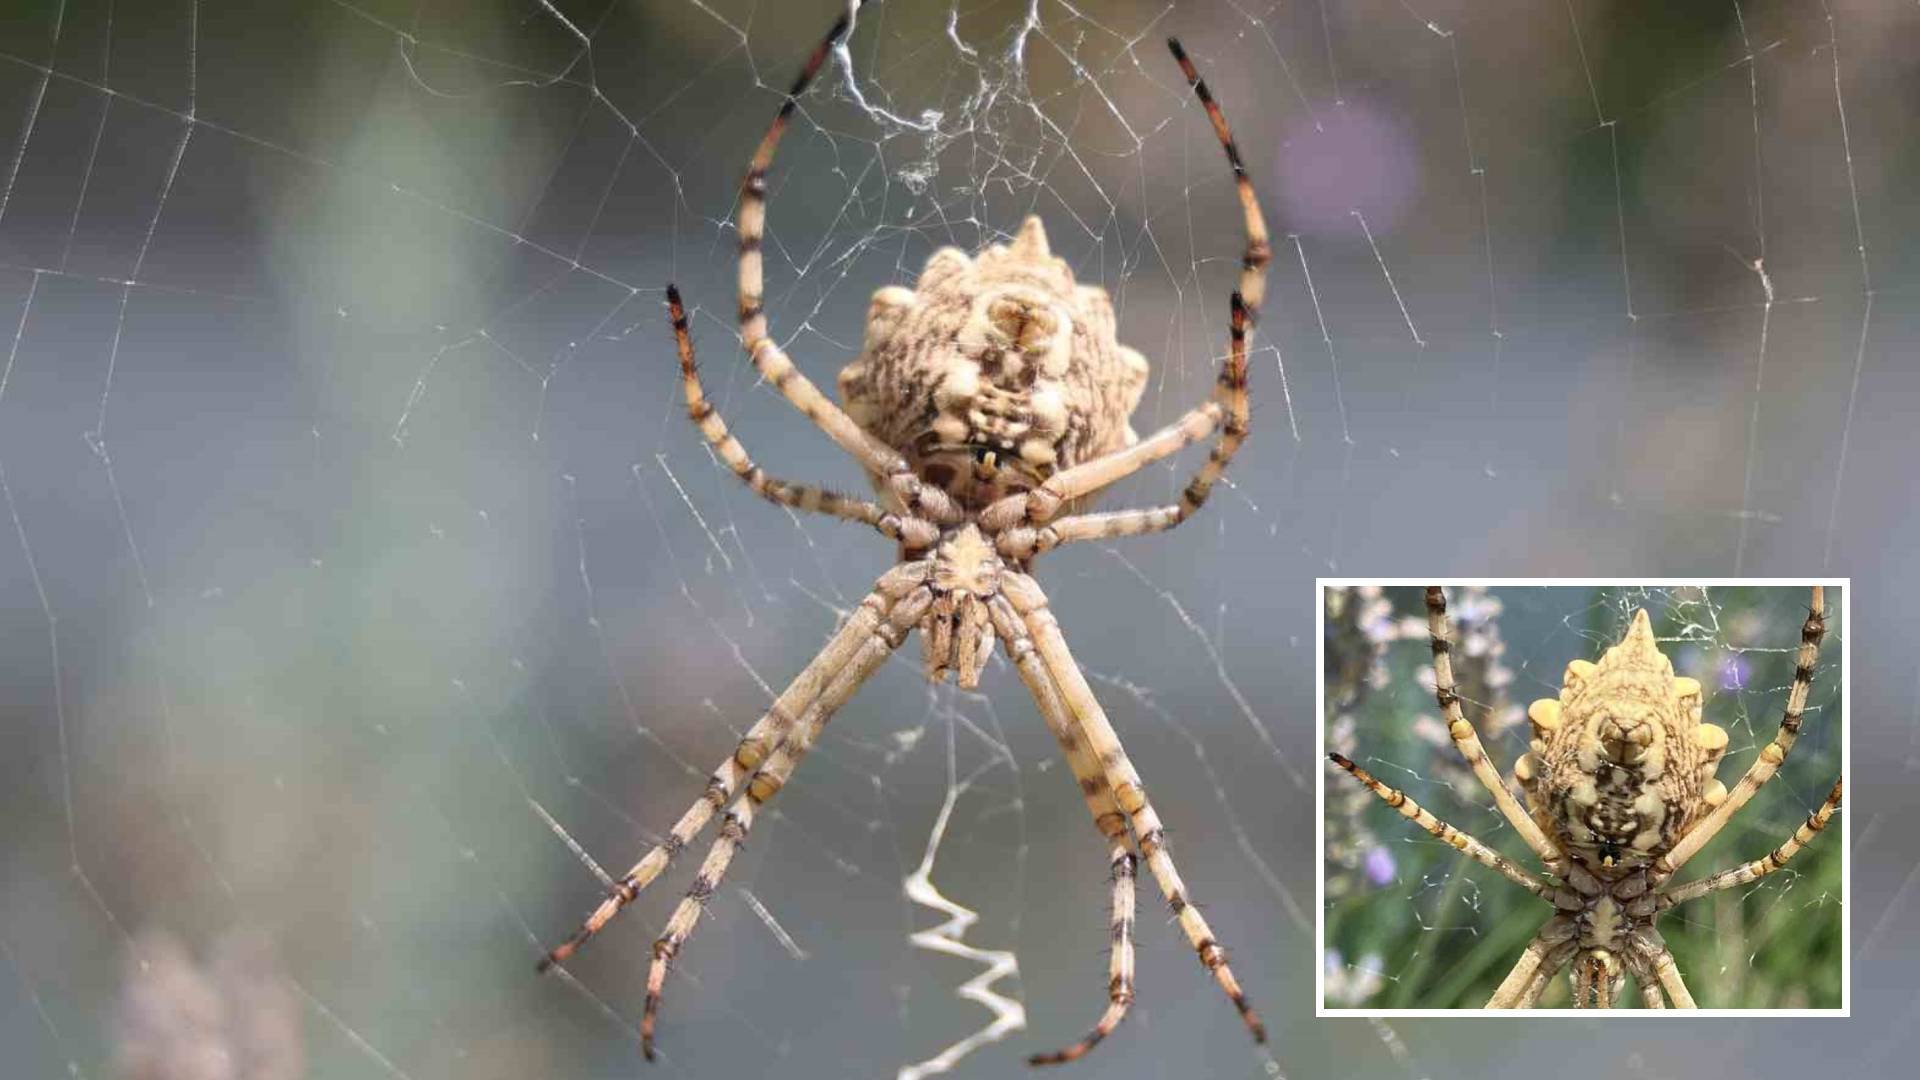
(875, 645)
(1030, 603)
(1651, 996)
(1106, 817)
(1545, 955)
(1651, 953)
(753, 749)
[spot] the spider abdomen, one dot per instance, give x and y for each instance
(1621, 764)
(995, 371)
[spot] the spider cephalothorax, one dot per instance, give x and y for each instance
(987, 406)
(1620, 761)
(1620, 791)
(995, 371)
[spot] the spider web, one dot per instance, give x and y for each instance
(369, 598)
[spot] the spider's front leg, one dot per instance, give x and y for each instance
(921, 500)
(910, 531)
(1023, 542)
(1023, 593)
(1021, 519)
(1467, 740)
(1465, 843)
(1770, 757)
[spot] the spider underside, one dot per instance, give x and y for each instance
(1620, 793)
(987, 406)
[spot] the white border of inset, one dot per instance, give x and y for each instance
(1845, 839)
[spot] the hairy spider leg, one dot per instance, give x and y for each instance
(809, 497)
(1759, 868)
(1771, 755)
(1227, 410)
(1106, 817)
(1467, 740)
(760, 740)
(1543, 958)
(1462, 842)
(919, 499)
(874, 648)
(1030, 603)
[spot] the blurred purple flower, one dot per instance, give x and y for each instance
(1379, 866)
(1734, 671)
(1360, 158)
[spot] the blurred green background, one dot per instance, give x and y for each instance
(1412, 924)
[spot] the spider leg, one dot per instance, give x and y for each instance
(1106, 817)
(1545, 955)
(879, 459)
(1227, 410)
(1650, 995)
(1037, 507)
(1463, 842)
(760, 740)
(874, 647)
(1771, 755)
(1467, 741)
(1027, 599)
(1654, 955)
(799, 496)
(1759, 868)
(1530, 995)
(1188, 429)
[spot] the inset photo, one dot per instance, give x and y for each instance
(1571, 795)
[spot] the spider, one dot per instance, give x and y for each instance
(987, 405)
(1620, 794)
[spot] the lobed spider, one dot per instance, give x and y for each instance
(988, 405)
(1620, 792)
